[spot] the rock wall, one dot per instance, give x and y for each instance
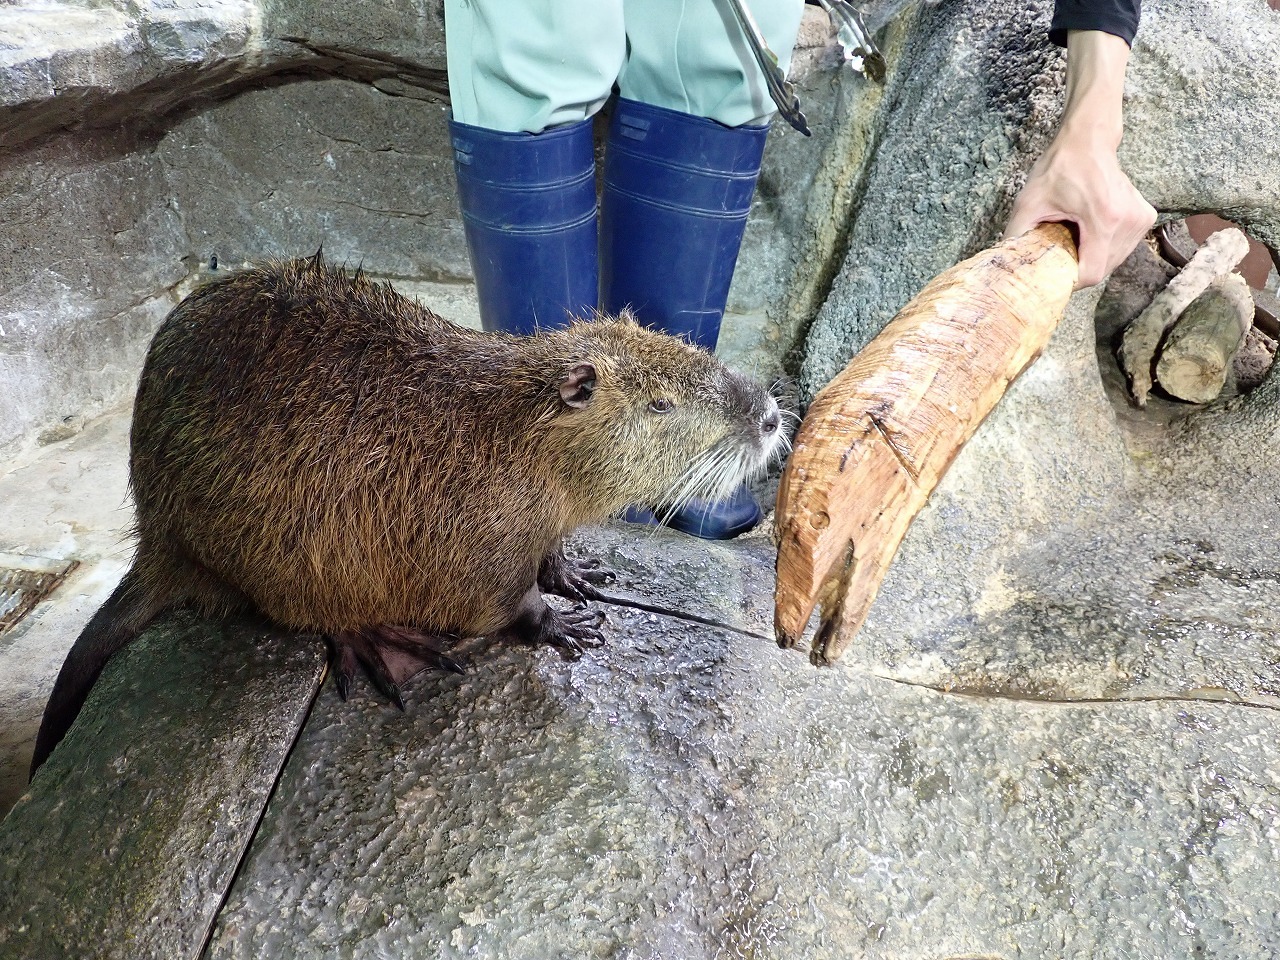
(137, 141)
(964, 121)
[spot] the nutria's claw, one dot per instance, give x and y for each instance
(571, 632)
(421, 650)
(572, 579)
(575, 630)
(350, 647)
(343, 663)
(593, 571)
(390, 656)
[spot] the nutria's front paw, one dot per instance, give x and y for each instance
(572, 631)
(573, 579)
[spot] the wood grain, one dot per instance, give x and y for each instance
(878, 438)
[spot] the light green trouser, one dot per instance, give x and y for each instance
(526, 65)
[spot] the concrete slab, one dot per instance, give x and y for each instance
(130, 834)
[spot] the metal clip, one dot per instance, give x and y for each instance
(780, 88)
(854, 38)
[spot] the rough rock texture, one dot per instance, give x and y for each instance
(97, 66)
(965, 122)
(131, 833)
(115, 188)
(690, 791)
(1200, 102)
(138, 140)
(329, 163)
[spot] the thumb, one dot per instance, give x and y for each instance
(1025, 216)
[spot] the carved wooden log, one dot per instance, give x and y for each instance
(880, 435)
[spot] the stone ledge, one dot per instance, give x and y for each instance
(128, 838)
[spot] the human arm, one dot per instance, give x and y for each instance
(1078, 178)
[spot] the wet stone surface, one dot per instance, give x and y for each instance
(127, 839)
(1140, 563)
(688, 791)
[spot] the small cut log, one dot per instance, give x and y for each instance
(877, 439)
(1218, 257)
(1199, 352)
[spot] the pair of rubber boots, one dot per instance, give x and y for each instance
(677, 190)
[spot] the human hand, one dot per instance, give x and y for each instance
(1078, 179)
(1081, 182)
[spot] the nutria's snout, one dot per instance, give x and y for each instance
(762, 422)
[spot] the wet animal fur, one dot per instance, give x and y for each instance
(326, 451)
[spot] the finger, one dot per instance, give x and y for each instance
(1094, 265)
(1023, 218)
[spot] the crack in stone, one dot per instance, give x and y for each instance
(680, 615)
(404, 214)
(1078, 701)
(364, 146)
(943, 691)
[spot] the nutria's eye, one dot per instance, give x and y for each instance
(661, 405)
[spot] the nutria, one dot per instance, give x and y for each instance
(320, 449)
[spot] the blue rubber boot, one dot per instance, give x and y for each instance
(529, 211)
(677, 190)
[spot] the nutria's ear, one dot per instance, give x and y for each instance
(578, 385)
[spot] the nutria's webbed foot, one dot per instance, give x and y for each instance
(569, 631)
(390, 656)
(573, 580)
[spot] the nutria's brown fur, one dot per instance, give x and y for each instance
(338, 457)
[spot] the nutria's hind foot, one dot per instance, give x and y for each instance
(390, 656)
(573, 580)
(571, 632)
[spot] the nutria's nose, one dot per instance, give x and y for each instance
(770, 422)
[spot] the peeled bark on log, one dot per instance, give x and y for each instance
(1199, 351)
(1219, 255)
(878, 438)
(1254, 360)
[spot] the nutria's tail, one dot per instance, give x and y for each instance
(120, 619)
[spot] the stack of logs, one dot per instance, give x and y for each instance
(1190, 339)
